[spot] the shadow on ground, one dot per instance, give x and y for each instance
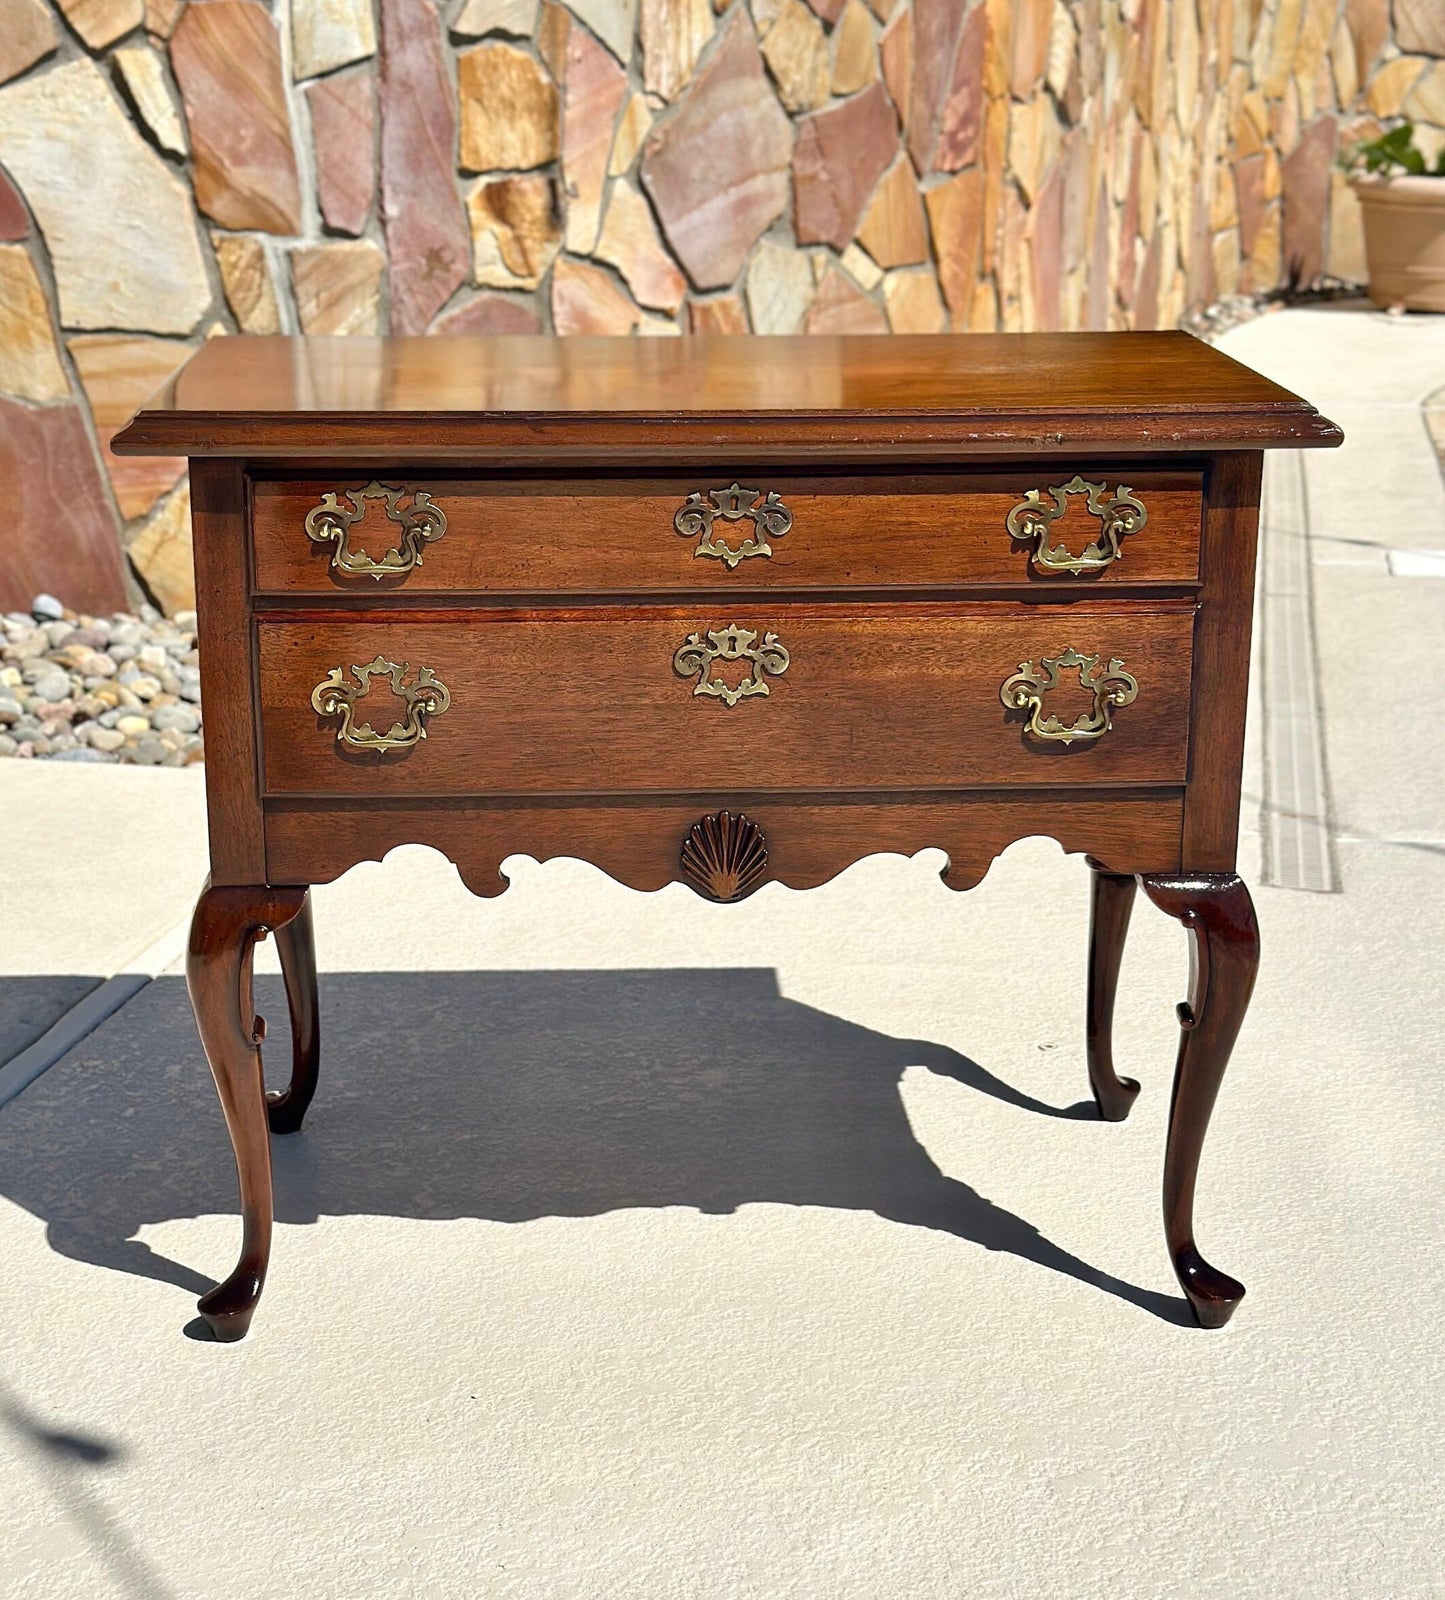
(511, 1096)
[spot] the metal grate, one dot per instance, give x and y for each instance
(1295, 821)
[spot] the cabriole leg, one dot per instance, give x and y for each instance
(296, 945)
(227, 923)
(1218, 913)
(1112, 901)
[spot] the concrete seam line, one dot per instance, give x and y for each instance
(63, 1035)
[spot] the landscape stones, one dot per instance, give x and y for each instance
(1426, 100)
(14, 219)
(894, 230)
(716, 168)
(161, 556)
(724, 313)
(937, 25)
(630, 243)
(1306, 179)
(955, 218)
(337, 286)
(102, 22)
(489, 313)
(613, 21)
(46, 448)
(913, 302)
(509, 109)
(1420, 26)
(343, 133)
(29, 361)
(779, 288)
(855, 53)
(516, 230)
(118, 224)
(27, 35)
(119, 373)
(840, 306)
(840, 155)
(480, 17)
(246, 280)
(604, 166)
(55, 716)
(796, 50)
(674, 35)
(326, 34)
(585, 299)
(428, 243)
(631, 131)
(144, 76)
(244, 162)
(595, 89)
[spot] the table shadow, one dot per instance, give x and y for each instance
(511, 1096)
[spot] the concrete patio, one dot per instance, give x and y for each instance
(643, 1249)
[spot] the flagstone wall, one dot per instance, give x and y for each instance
(172, 171)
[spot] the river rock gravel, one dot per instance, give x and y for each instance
(123, 688)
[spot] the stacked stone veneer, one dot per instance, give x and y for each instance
(173, 171)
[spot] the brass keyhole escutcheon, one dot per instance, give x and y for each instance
(697, 517)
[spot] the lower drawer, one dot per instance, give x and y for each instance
(743, 698)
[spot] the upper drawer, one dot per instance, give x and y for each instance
(725, 698)
(438, 535)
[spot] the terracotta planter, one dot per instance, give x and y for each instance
(1404, 221)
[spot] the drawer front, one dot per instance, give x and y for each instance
(427, 535)
(737, 698)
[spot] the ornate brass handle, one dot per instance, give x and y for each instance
(767, 513)
(427, 697)
(700, 652)
(1121, 513)
(331, 523)
(1110, 686)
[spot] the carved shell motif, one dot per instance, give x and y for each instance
(724, 856)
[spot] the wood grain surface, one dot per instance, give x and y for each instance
(638, 842)
(877, 697)
(515, 398)
(616, 535)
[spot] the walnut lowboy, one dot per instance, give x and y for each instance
(724, 612)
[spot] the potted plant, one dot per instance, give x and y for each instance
(1402, 204)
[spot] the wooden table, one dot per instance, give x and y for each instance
(723, 610)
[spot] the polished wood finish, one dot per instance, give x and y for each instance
(561, 703)
(1112, 901)
(1218, 913)
(553, 606)
(615, 534)
(296, 945)
(1221, 670)
(636, 840)
(511, 399)
(227, 923)
(219, 536)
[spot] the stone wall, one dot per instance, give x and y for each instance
(177, 171)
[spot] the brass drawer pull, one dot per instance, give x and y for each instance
(767, 513)
(1120, 513)
(700, 652)
(1111, 686)
(427, 697)
(331, 523)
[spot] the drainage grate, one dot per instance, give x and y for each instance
(1295, 820)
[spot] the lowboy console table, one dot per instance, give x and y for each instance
(722, 610)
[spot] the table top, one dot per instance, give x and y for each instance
(534, 396)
